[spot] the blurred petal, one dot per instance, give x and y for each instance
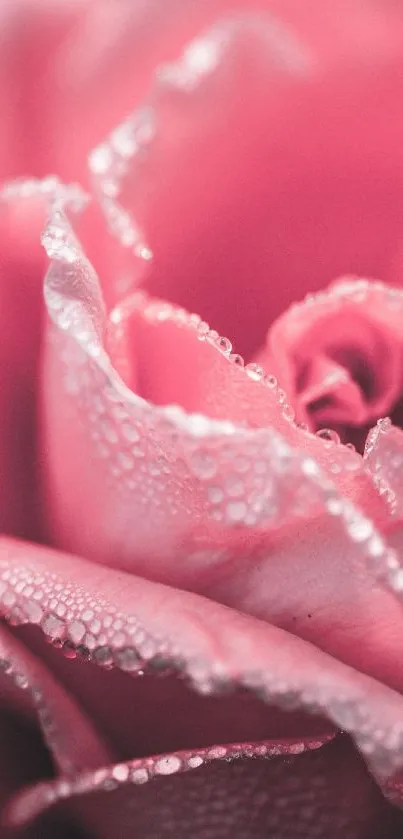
(23, 756)
(128, 41)
(31, 34)
(207, 176)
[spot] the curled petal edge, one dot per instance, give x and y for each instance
(211, 645)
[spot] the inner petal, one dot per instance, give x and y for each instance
(340, 356)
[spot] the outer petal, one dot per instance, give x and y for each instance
(41, 727)
(210, 643)
(324, 793)
(23, 207)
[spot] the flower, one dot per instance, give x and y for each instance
(221, 585)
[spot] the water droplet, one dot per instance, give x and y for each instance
(234, 486)
(242, 464)
(195, 761)
(139, 776)
(168, 765)
(215, 495)
(76, 631)
(127, 659)
(120, 772)
(224, 345)
(33, 611)
(130, 432)
(103, 656)
(236, 511)
(203, 464)
(53, 626)
(202, 330)
(384, 423)
(217, 752)
(237, 360)
(271, 381)
(288, 411)
(360, 529)
(254, 371)
(329, 435)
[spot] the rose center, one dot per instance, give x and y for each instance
(339, 357)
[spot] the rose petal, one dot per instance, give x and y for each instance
(106, 778)
(32, 34)
(68, 734)
(23, 758)
(339, 354)
(155, 347)
(206, 641)
(168, 356)
(384, 458)
(162, 464)
(311, 580)
(216, 508)
(206, 174)
(23, 206)
(322, 793)
(129, 706)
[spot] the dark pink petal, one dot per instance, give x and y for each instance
(324, 793)
(23, 206)
(28, 688)
(168, 356)
(23, 758)
(127, 700)
(209, 643)
(21, 269)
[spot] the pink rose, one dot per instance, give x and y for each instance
(210, 541)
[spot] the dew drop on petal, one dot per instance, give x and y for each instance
(168, 765)
(203, 465)
(329, 435)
